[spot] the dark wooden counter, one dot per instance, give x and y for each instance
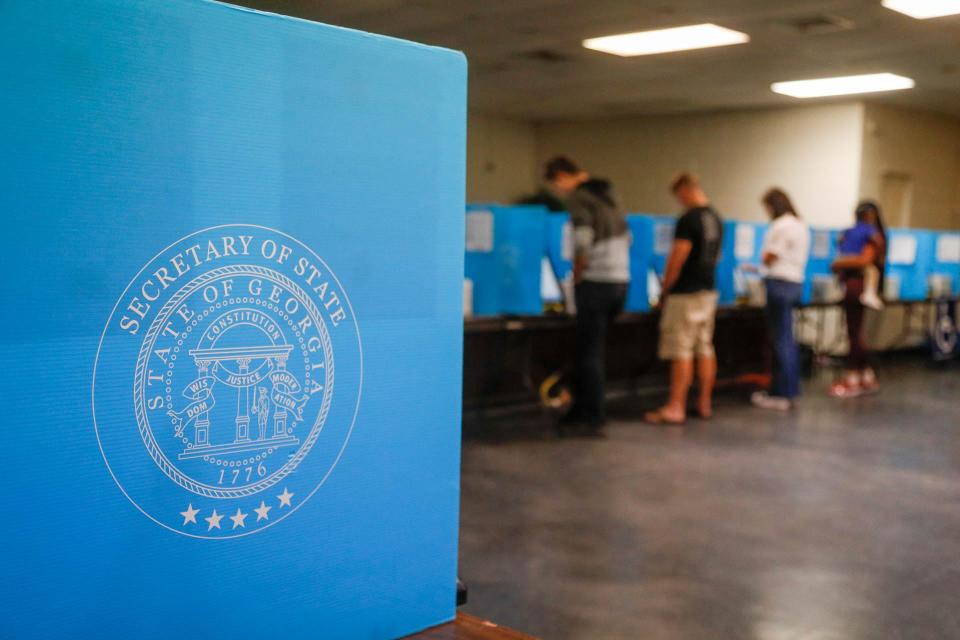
(506, 358)
(467, 627)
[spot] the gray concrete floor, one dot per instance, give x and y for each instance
(838, 521)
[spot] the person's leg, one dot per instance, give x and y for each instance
(676, 345)
(581, 351)
(870, 296)
(791, 353)
(591, 328)
(706, 356)
(775, 328)
(706, 379)
(612, 298)
(858, 349)
(608, 307)
(868, 377)
(853, 310)
(681, 377)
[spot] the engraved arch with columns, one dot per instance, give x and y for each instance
(275, 357)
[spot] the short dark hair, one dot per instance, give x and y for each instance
(683, 179)
(558, 165)
(779, 202)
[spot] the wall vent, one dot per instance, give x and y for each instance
(821, 23)
(548, 56)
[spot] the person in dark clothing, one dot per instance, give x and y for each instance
(689, 304)
(601, 273)
(862, 247)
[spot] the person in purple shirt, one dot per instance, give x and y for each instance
(862, 256)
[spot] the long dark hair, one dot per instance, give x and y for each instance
(864, 209)
(867, 207)
(779, 203)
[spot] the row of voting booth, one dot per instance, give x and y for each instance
(519, 261)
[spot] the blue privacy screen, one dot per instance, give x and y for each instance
(742, 244)
(652, 239)
(505, 250)
(232, 324)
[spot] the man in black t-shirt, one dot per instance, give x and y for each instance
(689, 303)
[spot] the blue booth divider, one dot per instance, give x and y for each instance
(823, 251)
(945, 261)
(480, 262)
(560, 244)
(505, 246)
(652, 238)
(245, 318)
(742, 242)
(909, 259)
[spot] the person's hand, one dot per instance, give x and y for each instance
(579, 265)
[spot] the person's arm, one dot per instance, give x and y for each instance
(687, 231)
(866, 257)
(774, 244)
(583, 236)
(679, 253)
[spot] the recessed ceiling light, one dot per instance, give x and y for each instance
(923, 9)
(644, 43)
(842, 86)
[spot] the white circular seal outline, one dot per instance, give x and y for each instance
(318, 424)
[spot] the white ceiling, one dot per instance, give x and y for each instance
(526, 59)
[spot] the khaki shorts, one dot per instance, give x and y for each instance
(686, 325)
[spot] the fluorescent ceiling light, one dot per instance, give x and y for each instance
(644, 43)
(842, 86)
(923, 9)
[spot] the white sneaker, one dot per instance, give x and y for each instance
(871, 300)
(764, 400)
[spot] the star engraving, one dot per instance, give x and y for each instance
(214, 521)
(262, 511)
(285, 497)
(238, 519)
(190, 515)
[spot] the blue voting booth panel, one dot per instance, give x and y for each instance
(946, 260)
(909, 258)
(823, 251)
(505, 248)
(519, 242)
(232, 324)
(560, 243)
(742, 244)
(650, 246)
(480, 262)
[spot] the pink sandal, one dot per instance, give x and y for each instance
(845, 389)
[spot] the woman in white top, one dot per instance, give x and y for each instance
(784, 255)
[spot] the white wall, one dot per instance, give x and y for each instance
(827, 156)
(813, 152)
(922, 145)
(501, 163)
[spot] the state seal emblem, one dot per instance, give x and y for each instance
(227, 381)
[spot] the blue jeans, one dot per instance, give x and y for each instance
(782, 297)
